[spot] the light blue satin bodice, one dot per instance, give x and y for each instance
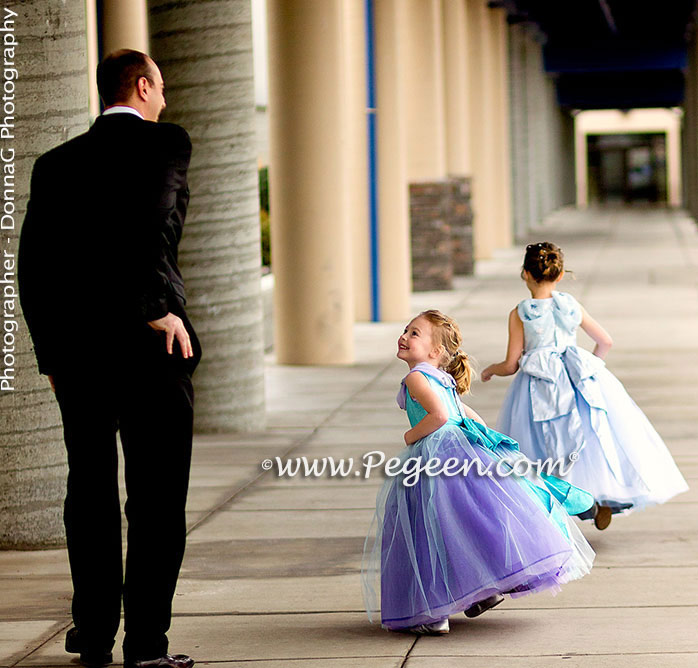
(552, 359)
(550, 323)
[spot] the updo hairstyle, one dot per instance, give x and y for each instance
(544, 261)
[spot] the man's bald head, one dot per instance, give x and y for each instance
(133, 79)
(119, 72)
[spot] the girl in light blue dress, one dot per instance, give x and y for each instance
(565, 405)
(454, 541)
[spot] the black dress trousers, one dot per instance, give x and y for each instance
(148, 397)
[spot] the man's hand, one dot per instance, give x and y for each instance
(173, 327)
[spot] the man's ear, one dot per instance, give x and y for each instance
(142, 87)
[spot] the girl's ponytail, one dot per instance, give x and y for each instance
(459, 367)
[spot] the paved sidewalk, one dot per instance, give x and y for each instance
(271, 574)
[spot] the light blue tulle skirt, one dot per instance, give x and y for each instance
(621, 459)
(445, 543)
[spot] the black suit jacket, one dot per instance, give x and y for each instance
(98, 247)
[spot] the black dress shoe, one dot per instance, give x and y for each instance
(167, 661)
(483, 606)
(89, 656)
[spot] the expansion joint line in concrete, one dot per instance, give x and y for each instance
(301, 441)
(405, 659)
(62, 629)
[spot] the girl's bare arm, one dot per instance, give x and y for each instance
(436, 416)
(599, 335)
(510, 365)
(472, 414)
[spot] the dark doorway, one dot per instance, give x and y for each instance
(627, 168)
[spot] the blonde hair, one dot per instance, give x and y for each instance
(446, 333)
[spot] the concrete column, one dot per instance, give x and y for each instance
(555, 163)
(457, 119)
(542, 137)
(549, 128)
(560, 154)
(455, 62)
(690, 138)
(310, 111)
(687, 126)
(519, 129)
(431, 244)
(124, 25)
(92, 56)
(560, 146)
(690, 120)
(482, 128)
(426, 132)
(688, 133)
(547, 131)
(566, 174)
(205, 53)
(394, 230)
(673, 166)
(50, 108)
(536, 129)
(581, 167)
(690, 123)
(356, 172)
(502, 142)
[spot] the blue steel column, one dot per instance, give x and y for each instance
(372, 162)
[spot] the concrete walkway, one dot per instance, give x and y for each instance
(271, 574)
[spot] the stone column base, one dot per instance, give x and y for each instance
(432, 266)
(441, 223)
(461, 223)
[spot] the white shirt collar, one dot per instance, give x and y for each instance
(122, 109)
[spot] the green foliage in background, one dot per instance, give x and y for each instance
(264, 189)
(266, 238)
(264, 216)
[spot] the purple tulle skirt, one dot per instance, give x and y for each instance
(438, 547)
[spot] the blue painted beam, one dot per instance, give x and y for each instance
(372, 162)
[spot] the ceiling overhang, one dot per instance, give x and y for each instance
(608, 54)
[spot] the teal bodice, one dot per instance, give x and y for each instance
(416, 413)
(444, 386)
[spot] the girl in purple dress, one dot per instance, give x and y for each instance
(450, 541)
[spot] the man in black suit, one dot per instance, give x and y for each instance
(104, 301)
